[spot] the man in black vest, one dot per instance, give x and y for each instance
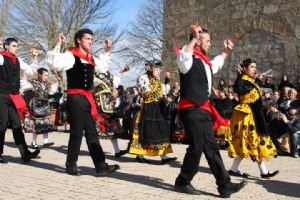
(12, 105)
(197, 113)
(80, 66)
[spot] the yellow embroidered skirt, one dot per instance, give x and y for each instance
(243, 139)
(139, 148)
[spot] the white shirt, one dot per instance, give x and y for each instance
(64, 61)
(28, 69)
(185, 62)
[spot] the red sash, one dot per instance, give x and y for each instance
(89, 96)
(20, 105)
(207, 105)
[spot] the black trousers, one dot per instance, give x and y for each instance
(198, 126)
(9, 117)
(81, 120)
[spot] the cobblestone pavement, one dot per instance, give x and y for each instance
(44, 178)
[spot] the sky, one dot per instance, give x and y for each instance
(126, 13)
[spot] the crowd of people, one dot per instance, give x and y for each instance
(253, 118)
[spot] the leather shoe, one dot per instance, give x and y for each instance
(187, 189)
(49, 144)
(106, 170)
(30, 156)
(2, 160)
(72, 171)
(270, 174)
(142, 160)
(231, 188)
(121, 153)
(35, 146)
(167, 160)
(238, 174)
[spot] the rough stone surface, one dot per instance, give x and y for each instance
(269, 32)
(44, 178)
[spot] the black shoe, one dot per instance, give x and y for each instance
(35, 146)
(30, 156)
(187, 189)
(2, 160)
(49, 144)
(231, 188)
(164, 161)
(121, 153)
(238, 174)
(106, 170)
(270, 174)
(72, 171)
(142, 160)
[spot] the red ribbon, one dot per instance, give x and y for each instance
(20, 105)
(9, 55)
(207, 105)
(198, 53)
(89, 96)
(79, 53)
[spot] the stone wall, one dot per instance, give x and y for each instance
(269, 30)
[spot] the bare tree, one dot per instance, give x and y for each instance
(3, 16)
(145, 37)
(40, 21)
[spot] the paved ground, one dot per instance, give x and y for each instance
(44, 178)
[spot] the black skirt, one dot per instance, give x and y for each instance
(153, 127)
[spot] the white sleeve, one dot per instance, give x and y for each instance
(184, 61)
(143, 83)
(1, 60)
(60, 61)
(102, 63)
(28, 69)
(116, 81)
(217, 64)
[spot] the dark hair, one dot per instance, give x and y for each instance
(79, 34)
(272, 104)
(41, 70)
(204, 30)
(8, 41)
(245, 63)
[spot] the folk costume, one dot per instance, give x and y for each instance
(107, 107)
(199, 117)
(80, 68)
(151, 132)
(38, 122)
(249, 136)
(12, 105)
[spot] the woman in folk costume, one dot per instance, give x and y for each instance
(106, 96)
(151, 132)
(248, 136)
(39, 121)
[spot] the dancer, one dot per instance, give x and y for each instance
(151, 132)
(12, 104)
(80, 66)
(39, 121)
(248, 136)
(106, 97)
(197, 113)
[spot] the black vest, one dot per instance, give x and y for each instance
(81, 75)
(9, 76)
(194, 84)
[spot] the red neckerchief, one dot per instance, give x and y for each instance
(87, 57)
(198, 53)
(10, 55)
